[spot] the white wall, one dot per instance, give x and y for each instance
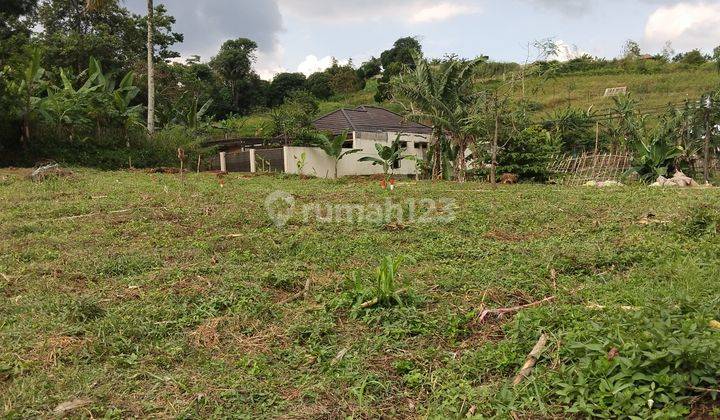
(319, 164)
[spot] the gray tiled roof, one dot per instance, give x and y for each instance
(368, 119)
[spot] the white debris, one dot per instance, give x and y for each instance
(679, 180)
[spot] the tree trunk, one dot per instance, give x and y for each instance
(460, 163)
(151, 69)
(493, 168)
(436, 170)
(706, 147)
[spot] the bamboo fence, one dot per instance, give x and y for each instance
(579, 170)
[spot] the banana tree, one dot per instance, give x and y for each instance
(388, 157)
(334, 148)
(653, 158)
(195, 115)
(27, 88)
(122, 98)
(91, 5)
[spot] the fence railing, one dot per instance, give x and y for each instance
(578, 170)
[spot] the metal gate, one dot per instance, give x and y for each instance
(269, 160)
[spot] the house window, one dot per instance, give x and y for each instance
(396, 164)
(348, 144)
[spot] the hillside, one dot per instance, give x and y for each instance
(653, 91)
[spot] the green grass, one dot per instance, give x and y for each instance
(651, 90)
(171, 298)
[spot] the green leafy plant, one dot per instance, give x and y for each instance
(653, 158)
(334, 148)
(301, 162)
(388, 157)
(660, 360)
(386, 286)
(27, 88)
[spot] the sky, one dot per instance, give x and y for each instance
(304, 35)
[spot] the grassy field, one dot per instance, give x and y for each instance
(145, 295)
(651, 90)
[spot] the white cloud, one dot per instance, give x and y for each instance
(566, 52)
(270, 63)
(443, 11)
(412, 11)
(312, 64)
(687, 25)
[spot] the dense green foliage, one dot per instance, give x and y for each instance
(223, 95)
(528, 153)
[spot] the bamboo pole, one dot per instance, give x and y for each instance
(532, 359)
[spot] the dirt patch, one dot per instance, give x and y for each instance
(505, 236)
(56, 348)
(207, 336)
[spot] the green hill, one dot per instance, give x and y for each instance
(653, 91)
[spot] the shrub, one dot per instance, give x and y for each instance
(528, 154)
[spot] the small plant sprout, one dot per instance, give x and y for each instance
(386, 288)
(301, 163)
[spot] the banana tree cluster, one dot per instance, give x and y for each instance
(97, 100)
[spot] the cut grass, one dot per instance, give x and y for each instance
(174, 308)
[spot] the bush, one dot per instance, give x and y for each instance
(108, 149)
(528, 154)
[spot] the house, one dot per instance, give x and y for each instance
(365, 127)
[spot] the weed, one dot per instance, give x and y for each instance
(648, 370)
(703, 220)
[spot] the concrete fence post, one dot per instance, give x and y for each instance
(223, 163)
(252, 161)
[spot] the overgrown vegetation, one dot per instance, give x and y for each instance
(47, 43)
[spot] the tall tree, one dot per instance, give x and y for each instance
(443, 95)
(403, 51)
(283, 84)
(150, 68)
(234, 63)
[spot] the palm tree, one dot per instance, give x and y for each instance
(443, 95)
(98, 4)
(151, 67)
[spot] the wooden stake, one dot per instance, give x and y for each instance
(531, 360)
(597, 137)
(493, 177)
(198, 165)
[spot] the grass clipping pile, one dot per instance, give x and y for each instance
(49, 171)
